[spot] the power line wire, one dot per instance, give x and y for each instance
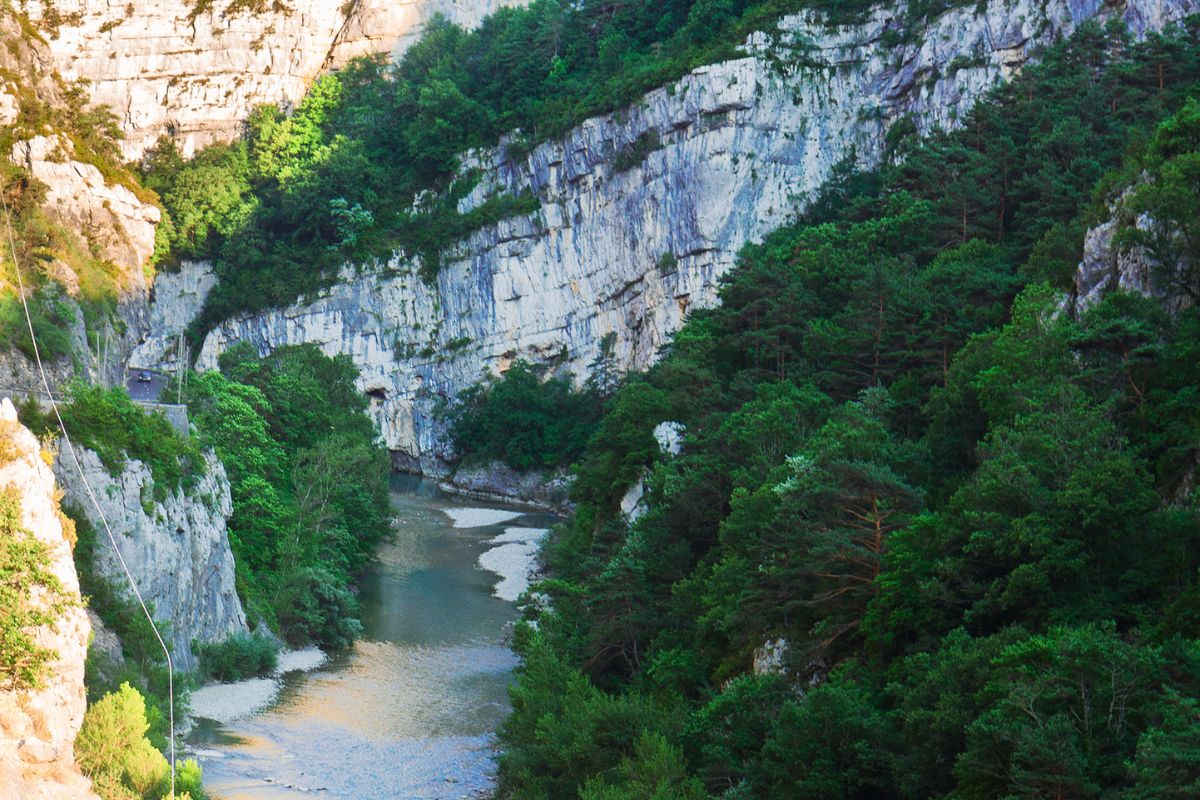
(91, 495)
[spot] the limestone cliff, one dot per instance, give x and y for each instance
(100, 230)
(176, 549)
(195, 70)
(730, 151)
(38, 726)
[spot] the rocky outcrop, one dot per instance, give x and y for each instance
(99, 215)
(177, 550)
(38, 726)
(499, 483)
(178, 298)
(195, 70)
(387, 26)
(716, 159)
(110, 217)
(1107, 266)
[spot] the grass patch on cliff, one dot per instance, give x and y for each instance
(31, 597)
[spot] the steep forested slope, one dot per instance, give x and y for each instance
(930, 534)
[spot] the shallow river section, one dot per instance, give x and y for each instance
(412, 710)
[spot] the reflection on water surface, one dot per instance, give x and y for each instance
(411, 711)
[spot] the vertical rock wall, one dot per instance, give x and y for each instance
(176, 549)
(38, 727)
(739, 147)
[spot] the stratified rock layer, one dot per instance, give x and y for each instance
(165, 68)
(735, 148)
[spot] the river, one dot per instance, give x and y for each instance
(411, 711)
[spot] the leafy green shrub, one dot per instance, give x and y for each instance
(30, 597)
(309, 481)
(242, 655)
(524, 421)
(108, 422)
(112, 750)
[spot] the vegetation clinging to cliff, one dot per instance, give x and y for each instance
(345, 178)
(309, 481)
(31, 597)
(961, 520)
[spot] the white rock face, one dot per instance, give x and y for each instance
(742, 144)
(165, 69)
(1105, 267)
(177, 550)
(178, 298)
(387, 26)
(79, 197)
(38, 727)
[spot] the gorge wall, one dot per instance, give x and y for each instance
(177, 549)
(38, 726)
(733, 150)
(196, 69)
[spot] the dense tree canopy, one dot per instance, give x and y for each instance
(962, 517)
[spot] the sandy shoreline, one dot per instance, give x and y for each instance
(226, 702)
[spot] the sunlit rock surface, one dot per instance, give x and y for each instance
(38, 726)
(740, 146)
(166, 69)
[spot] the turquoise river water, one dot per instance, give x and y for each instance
(412, 710)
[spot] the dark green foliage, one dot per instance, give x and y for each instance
(524, 421)
(242, 655)
(309, 481)
(962, 517)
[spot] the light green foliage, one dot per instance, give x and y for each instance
(51, 319)
(107, 422)
(112, 750)
(964, 517)
(30, 597)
